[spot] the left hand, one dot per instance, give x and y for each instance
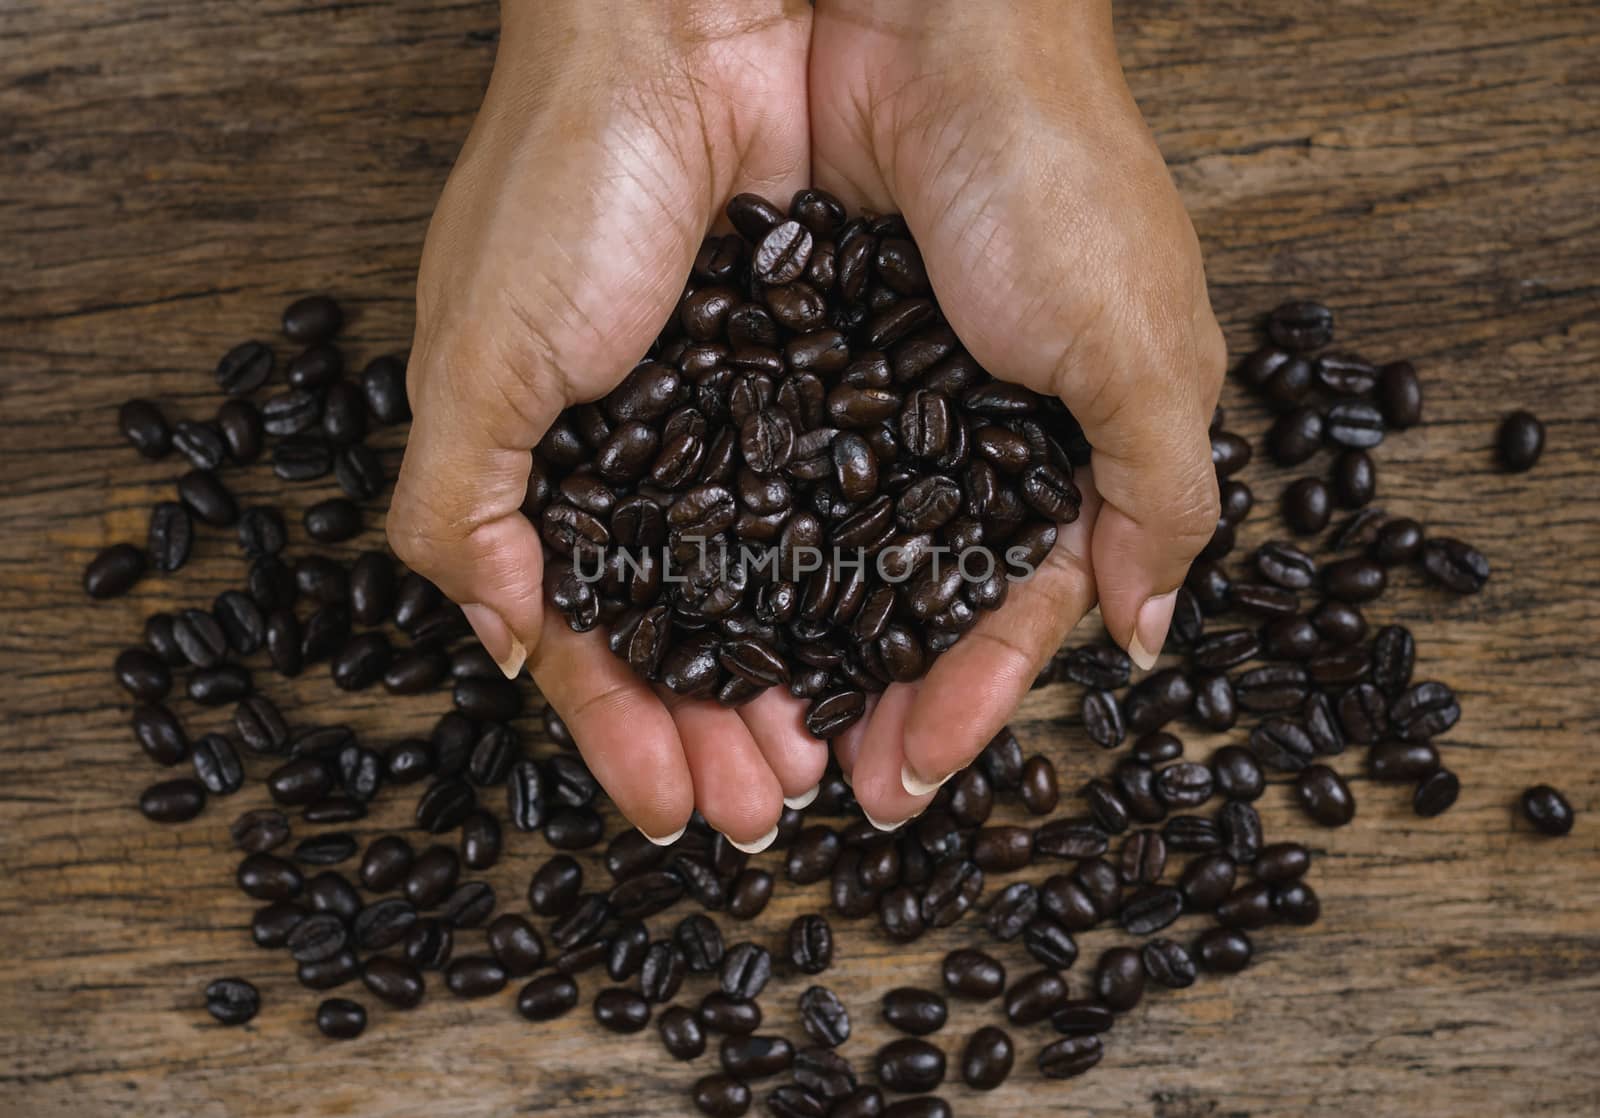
(1062, 257)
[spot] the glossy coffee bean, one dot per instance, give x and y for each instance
(1547, 809)
(1223, 950)
(341, 1019)
(547, 997)
(909, 1065)
(232, 1001)
(1520, 441)
(145, 427)
(1035, 996)
(172, 801)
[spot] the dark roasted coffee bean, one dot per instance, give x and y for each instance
(1436, 794)
(621, 1011)
(1241, 831)
(1216, 706)
(909, 1065)
(681, 1034)
(1012, 911)
(341, 1019)
(1034, 997)
(1136, 789)
(301, 458)
(232, 1001)
(1229, 453)
(1285, 566)
(1355, 479)
(267, 877)
(918, 1012)
(556, 886)
(1424, 711)
(445, 805)
(218, 686)
(1236, 774)
(333, 521)
(810, 944)
(1223, 950)
(1354, 423)
(1547, 809)
(488, 700)
(173, 801)
(408, 761)
(113, 571)
(480, 840)
(386, 863)
(1393, 655)
(384, 923)
(1151, 909)
(171, 536)
(987, 1059)
(1301, 326)
(1354, 580)
(1100, 666)
(318, 937)
(1143, 858)
(755, 1057)
(824, 1017)
(1206, 880)
(1069, 903)
(1297, 904)
(1307, 506)
(1290, 638)
(394, 981)
(359, 472)
(973, 974)
(1282, 744)
(201, 443)
(1106, 806)
(341, 968)
(217, 765)
(1263, 600)
(1049, 943)
(312, 319)
(720, 1013)
(745, 969)
(314, 367)
(1082, 1018)
(1184, 785)
(256, 832)
(145, 428)
(1168, 964)
(547, 997)
(1277, 687)
(1281, 862)
(383, 383)
(474, 976)
(1520, 441)
(271, 924)
(1249, 906)
(1455, 565)
(1060, 838)
(142, 674)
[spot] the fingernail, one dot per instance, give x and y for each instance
(758, 846)
(1150, 629)
(496, 638)
(844, 776)
(670, 839)
(916, 786)
(803, 799)
(882, 826)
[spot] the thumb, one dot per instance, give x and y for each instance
(1152, 463)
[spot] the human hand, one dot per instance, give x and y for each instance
(609, 138)
(1061, 255)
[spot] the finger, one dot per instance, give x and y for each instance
(1152, 464)
(625, 734)
(847, 746)
(876, 778)
(457, 515)
(776, 721)
(734, 787)
(974, 688)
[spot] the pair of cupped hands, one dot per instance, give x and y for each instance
(611, 136)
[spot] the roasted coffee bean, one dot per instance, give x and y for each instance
(1354, 580)
(573, 828)
(218, 686)
(1436, 794)
(1102, 719)
(341, 1019)
(547, 997)
(1354, 423)
(1263, 600)
(1151, 909)
(318, 937)
(1229, 453)
(1136, 791)
(173, 801)
(1106, 806)
(383, 383)
(1393, 655)
(359, 472)
(217, 765)
(1285, 566)
(1363, 714)
(232, 1001)
(142, 674)
(1290, 638)
(1060, 838)
(301, 458)
(621, 1011)
(1339, 623)
(1206, 880)
(242, 622)
(267, 877)
(1297, 904)
(1241, 831)
(971, 974)
(445, 805)
(384, 923)
(1295, 436)
(474, 976)
(171, 536)
(1520, 441)
(556, 887)
(1355, 479)
(745, 969)
(1216, 707)
(1222, 950)
(681, 1034)
(394, 981)
(1082, 1018)
(1281, 862)
(1423, 711)
(1307, 506)
(1301, 326)
(1547, 809)
(1184, 785)
(1282, 744)
(201, 443)
(720, 1096)
(755, 1057)
(1034, 997)
(244, 368)
(145, 428)
(1100, 666)
(1455, 565)
(1049, 943)
(312, 319)
(1225, 649)
(113, 571)
(1168, 964)
(1277, 687)
(1236, 774)
(810, 944)
(271, 924)
(909, 1065)
(469, 906)
(1143, 858)
(1012, 910)
(1249, 906)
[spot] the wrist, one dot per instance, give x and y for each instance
(658, 31)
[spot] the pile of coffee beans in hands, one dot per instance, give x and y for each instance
(807, 482)
(1153, 873)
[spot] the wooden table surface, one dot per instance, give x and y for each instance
(174, 171)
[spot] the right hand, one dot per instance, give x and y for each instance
(610, 136)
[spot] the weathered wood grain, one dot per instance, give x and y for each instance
(174, 171)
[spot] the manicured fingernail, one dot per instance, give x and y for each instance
(882, 826)
(916, 786)
(803, 799)
(758, 846)
(670, 839)
(1150, 629)
(496, 638)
